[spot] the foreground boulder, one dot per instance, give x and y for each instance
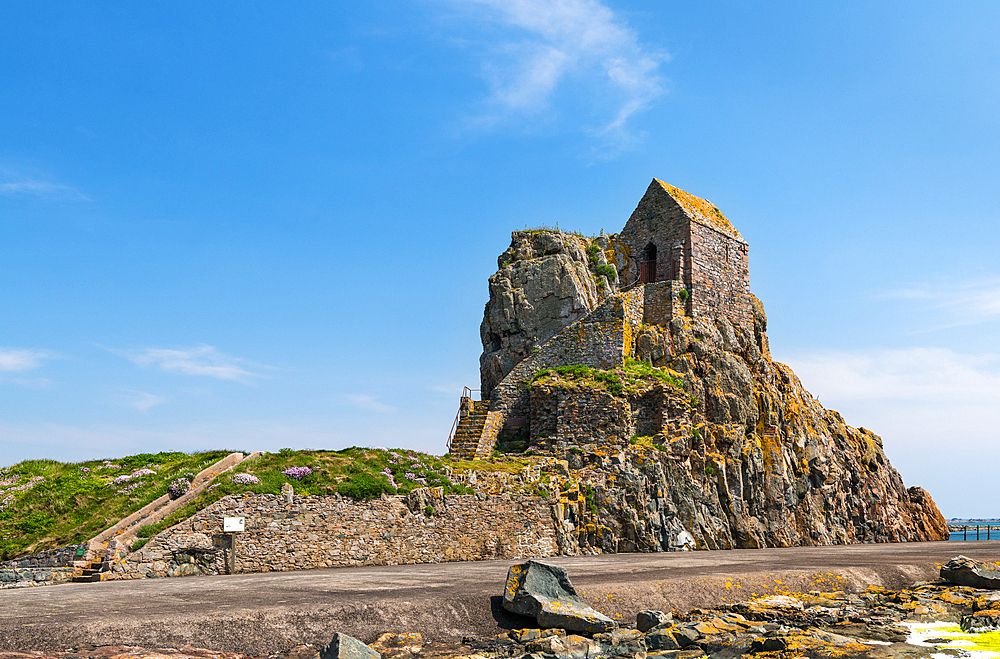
(545, 593)
(343, 646)
(964, 571)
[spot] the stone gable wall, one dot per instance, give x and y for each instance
(657, 219)
(331, 531)
(720, 277)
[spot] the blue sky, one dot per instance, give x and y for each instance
(251, 226)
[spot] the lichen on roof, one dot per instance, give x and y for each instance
(702, 211)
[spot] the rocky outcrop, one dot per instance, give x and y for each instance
(731, 449)
(546, 280)
(693, 435)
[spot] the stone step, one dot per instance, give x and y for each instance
(87, 578)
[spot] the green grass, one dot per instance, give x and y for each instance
(69, 503)
(46, 504)
(633, 378)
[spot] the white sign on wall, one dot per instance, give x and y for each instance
(233, 524)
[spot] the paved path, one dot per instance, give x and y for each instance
(259, 613)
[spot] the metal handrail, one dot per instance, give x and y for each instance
(451, 433)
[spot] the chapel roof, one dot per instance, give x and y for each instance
(701, 211)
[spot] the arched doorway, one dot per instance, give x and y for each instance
(647, 264)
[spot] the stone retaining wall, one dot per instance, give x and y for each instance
(59, 557)
(23, 577)
(332, 531)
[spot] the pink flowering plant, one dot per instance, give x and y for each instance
(298, 473)
(178, 488)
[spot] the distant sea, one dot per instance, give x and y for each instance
(978, 529)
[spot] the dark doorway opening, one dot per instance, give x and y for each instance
(647, 264)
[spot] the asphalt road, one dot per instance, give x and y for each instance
(261, 613)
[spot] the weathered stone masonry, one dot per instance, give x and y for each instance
(317, 531)
(43, 568)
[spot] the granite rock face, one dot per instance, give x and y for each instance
(697, 438)
(546, 280)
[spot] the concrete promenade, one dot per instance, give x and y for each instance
(261, 613)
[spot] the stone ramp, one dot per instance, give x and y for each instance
(111, 544)
(266, 613)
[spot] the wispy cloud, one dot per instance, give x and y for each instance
(37, 188)
(367, 403)
(956, 303)
(549, 45)
(139, 400)
(921, 376)
(198, 360)
(16, 359)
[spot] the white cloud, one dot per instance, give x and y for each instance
(937, 411)
(912, 374)
(368, 403)
(563, 43)
(955, 303)
(198, 360)
(140, 400)
(36, 188)
(16, 360)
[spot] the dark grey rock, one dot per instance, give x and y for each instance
(686, 637)
(646, 620)
(964, 571)
(663, 640)
(983, 621)
(545, 593)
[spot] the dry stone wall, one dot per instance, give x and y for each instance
(59, 557)
(317, 531)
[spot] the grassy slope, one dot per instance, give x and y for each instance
(46, 504)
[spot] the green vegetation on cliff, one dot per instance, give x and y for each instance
(632, 378)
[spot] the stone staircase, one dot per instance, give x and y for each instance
(472, 419)
(94, 571)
